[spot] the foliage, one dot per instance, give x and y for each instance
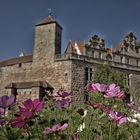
(134, 91)
(105, 74)
(104, 117)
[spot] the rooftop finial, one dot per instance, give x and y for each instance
(50, 11)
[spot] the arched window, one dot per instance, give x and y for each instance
(109, 57)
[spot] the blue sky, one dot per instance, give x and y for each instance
(80, 19)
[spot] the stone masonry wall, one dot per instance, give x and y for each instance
(58, 75)
(78, 81)
(14, 73)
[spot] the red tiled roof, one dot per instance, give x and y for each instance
(81, 46)
(48, 20)
(17, 60)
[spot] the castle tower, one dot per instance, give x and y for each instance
(47, 42)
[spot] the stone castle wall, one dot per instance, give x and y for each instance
(71, 71)
(14, 73)
(58, 74)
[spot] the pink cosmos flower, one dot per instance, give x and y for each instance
(130, 104)
(64, 94)
(95, 105)
(113, 91)
(61, 95)
(101, 87)
(2, 112)
(109, 91)
(30, 108)
(56, 128)
(139, 109)
(19, 122)
(3, 119)
(3, 122)
(97, 87)
(91, 88)
(63, 104)
(117, 117)
(7, 101)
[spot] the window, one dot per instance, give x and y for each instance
(109, 57)
(126, 80)
(127, 60)
(92, 53)
(137, 50)
(20, 64)
(121, 59)
(137, 62)
(100, 55)
(88, 74)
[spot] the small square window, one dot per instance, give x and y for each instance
(20, 65)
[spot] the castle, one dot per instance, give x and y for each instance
(48, 70)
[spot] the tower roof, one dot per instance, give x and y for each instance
(70, 48)
(48, 20)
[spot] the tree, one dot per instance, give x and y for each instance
(105, 74)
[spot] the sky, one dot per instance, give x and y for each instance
(80, 19)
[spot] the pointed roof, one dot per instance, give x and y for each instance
(80, 46)
(48, 20)
(70, 48)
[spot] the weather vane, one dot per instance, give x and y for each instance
(50, 11)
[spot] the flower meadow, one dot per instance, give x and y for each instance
(106, 115)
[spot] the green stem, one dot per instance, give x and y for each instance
(37, 129)
(116, 133)
(90, 133)
(4, 133)
(110, 131)
(2, 136)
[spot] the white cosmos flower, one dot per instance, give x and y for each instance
(85, 113)
(81, 127)
(131, 120)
